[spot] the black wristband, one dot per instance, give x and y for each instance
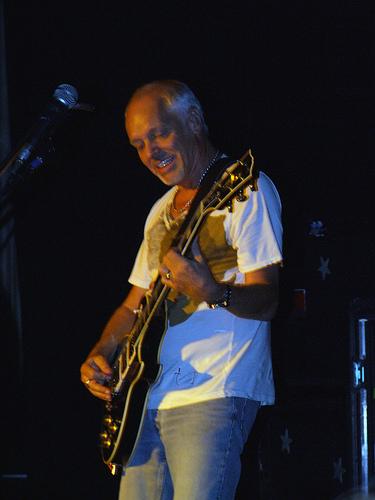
(223, 301)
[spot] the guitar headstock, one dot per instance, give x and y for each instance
(232, 183)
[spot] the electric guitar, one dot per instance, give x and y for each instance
(136, 366)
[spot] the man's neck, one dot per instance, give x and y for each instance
(202, 163)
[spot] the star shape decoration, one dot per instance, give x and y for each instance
(338, 470)
(285, 441)
(317, 229)
(324, 269)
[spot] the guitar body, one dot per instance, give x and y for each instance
(137, 366)
(130, 386)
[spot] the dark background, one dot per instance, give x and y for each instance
(293, 80)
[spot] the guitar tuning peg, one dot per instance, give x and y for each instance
(105, 442)
(107, 420)
(233, 178)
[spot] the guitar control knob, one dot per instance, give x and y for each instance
(113, 427)
(106, 443)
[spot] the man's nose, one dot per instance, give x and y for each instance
(154, 152)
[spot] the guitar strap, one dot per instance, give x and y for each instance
(208, 181)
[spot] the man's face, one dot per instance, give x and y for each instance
(164, 141)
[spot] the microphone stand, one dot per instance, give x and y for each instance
(16, 167)
(21, 162)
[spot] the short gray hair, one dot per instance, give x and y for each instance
(175, 95)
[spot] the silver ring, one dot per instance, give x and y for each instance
(168, 275)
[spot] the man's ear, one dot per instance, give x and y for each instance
(195, 121)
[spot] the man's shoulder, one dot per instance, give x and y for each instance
(267, 186)
(162, 200)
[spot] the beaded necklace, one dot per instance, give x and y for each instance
(183, 209)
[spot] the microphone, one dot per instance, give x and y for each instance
(64, 99)
(23, 160)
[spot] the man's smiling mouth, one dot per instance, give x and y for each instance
(163, 163)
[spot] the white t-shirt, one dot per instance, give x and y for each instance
(211, 353)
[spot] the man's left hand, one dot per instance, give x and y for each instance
(192, 277)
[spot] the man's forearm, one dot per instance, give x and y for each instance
(118, 326)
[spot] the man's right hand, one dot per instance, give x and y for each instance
(95, 372)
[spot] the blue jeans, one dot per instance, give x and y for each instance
(191, 452)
